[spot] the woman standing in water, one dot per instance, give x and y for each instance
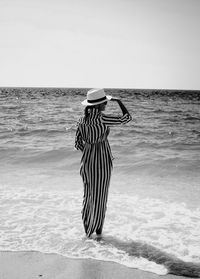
(96, 162)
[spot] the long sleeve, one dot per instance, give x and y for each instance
(78, 140)
(116, 120)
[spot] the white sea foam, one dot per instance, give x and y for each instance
(50, 221)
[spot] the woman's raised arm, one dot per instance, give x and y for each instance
(115, 120)
(121, 105)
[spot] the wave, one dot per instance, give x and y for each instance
(164, 263)
(145, 157)
(39, 157)
(167, 111)
(150, 235)
(62, 157)
(191, 118)
(39, 132)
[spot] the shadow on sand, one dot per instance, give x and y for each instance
(136, 249)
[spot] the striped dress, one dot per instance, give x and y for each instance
(96, 165)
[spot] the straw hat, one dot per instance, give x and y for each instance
(96, 97)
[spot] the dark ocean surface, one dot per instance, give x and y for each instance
(155, 187)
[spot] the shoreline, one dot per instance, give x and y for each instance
(33, 264)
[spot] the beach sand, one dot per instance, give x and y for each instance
(29, 265)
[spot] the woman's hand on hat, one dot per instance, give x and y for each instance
(115, 99)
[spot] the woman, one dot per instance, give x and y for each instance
(96, 162)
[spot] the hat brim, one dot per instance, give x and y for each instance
(85, 102)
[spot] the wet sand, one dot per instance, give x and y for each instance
(32, 265)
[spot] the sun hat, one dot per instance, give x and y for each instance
(96, 97)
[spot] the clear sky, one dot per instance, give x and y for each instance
(105, 43)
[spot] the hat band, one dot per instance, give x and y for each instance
(97, 100)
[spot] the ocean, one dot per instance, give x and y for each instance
(153, 206)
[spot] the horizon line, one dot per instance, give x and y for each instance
(124, 88)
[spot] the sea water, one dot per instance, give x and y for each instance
(154, 193)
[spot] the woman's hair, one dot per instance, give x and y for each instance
(86, 112)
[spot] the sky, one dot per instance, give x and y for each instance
(105, 43)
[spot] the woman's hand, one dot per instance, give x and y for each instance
(122, 106)
(115, 99)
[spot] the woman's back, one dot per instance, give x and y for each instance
(92, 128)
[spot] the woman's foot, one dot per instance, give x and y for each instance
(99, 231)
